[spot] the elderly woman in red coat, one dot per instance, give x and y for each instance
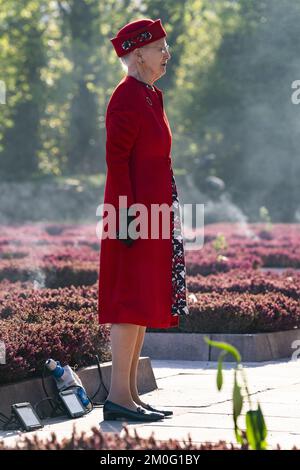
(141, 279)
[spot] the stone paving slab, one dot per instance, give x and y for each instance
(189, 389)
(269, 410)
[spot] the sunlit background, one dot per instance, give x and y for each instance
(227, 92)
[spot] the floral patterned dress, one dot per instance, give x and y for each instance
(179, 302)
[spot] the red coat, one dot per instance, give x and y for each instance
(135, 282)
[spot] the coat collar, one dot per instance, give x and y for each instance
(158, 90)
(129, 77)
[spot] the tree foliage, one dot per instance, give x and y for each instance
(227, 87)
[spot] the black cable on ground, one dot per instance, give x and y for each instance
(44, 387)
(56, 405)
(57, 409)
(96, 404)
(6, 421)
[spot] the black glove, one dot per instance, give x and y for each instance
(128, 241)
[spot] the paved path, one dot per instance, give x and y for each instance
(189, 389)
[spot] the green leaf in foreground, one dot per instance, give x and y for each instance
(220, 374)
(226, 347)
(256, 429)
(237, 400)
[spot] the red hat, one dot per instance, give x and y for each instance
(137, 34)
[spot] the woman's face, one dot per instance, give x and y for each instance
(155, 56)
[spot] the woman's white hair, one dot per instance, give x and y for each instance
(126, 60)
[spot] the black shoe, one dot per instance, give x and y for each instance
(164, 412)
(113, 411)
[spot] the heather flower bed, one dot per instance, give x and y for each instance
(62, 255)
(98, 440)
(51, 255)
(48, 292)
(232, 312)
(51, 265)
(230, 246)
(240, 301)
(38, 324)
(247, 281)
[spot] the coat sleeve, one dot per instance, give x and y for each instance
(122, 127)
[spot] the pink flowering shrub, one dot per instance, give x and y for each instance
(250, 280)
(240, 301)
(99, 440)
(62, 255)
(48, 289)
(250, 247)
(59, 323)
(232, 312)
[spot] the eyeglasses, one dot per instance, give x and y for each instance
(163, 50)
